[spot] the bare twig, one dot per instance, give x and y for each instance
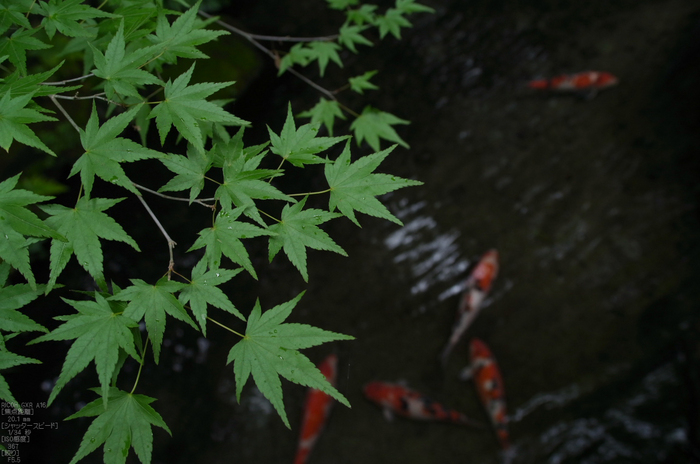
(162, 195)
(65, 113)
(67, 81)
(271, 38)
(99, 96)
(171, 242)
(253, 38)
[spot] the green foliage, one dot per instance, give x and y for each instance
(123, 422)
(270, 349)
(354, 187)
(127, 49)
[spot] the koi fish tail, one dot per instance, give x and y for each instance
(539, 84)
(446, 354)
(302, 456)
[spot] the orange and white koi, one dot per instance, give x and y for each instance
(489, 385)
(402, 401)
(316, 410)
(477, 286)
(580, 82)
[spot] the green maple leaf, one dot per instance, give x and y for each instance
(324, 51)
(181, 38)
(325, 111)
(7, 360)
(361, 83)
(83, 226)
(243, 180)
(224, 238)
(203, 290)
(341, 4)
(392, 22)
(16, 46)
(363, 14)
(410, 6)
(104, 151)
(297, 230)
(14, 12)
(69, 17)
(153, 302)
(121, 71)
(270, 349)
(298, 54)
(191, 171)
(374, 124)
(99, 334)
(13, 210)
(124, 422)
(14, 250)
(16, 221)
(354, 187)
(300, 146)
(350, 35)
(14, 297)
(16, 84)
(184, 106)
(14, 118)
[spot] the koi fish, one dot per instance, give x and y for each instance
(404, 402)
(316, 410)
(588, 81)
(477, 287)
(489, 385)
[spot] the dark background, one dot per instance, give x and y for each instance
(591, 202)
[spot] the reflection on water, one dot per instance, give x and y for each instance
(622, 431)
(433, 257)
(548, 401)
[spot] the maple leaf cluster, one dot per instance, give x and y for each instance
(125, 45)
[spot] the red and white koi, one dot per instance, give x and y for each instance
(489, 385)
(477, 286)
(581, 82)
(404, 402)
(316, 410)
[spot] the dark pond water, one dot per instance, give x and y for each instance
(592, 204)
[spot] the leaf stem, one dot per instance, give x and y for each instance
(201, 202)
(271, 217)
(348, 110)
(171, 242)
(310, 193)
(225, 327)
(143, 359)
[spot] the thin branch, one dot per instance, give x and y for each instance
(271, 38)
(323, 90)
(67, 81)
(99, 96)
(252, 39)
(171, 242)
(60, 107)
(201, 202)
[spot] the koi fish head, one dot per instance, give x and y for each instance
(329, 367)
(605, 79)
(380, 392)
(486, 271)
(478, 350)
